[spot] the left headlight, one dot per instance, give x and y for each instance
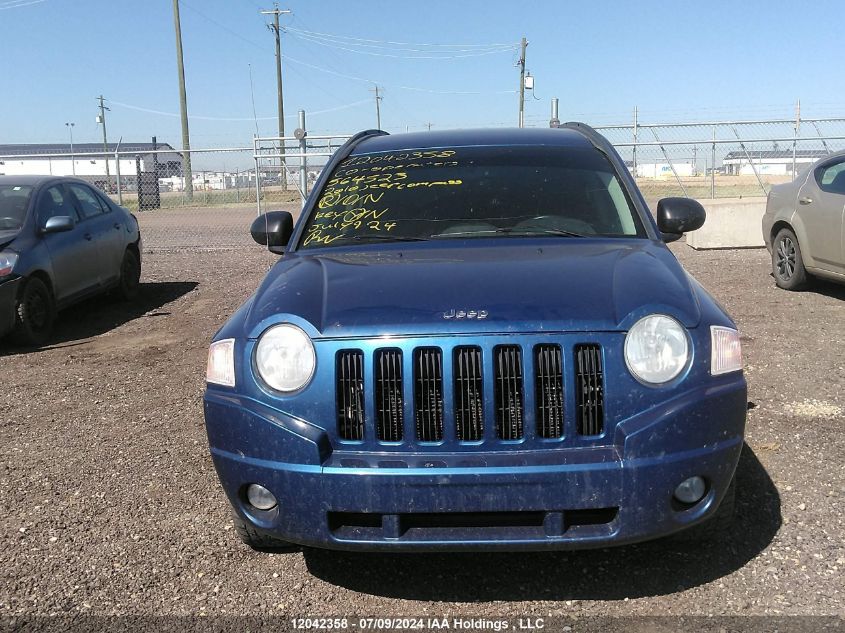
(656, 349)
(285, 358)
(7, 263)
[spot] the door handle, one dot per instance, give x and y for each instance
(118, 226)
(87, 236)
(805, 200)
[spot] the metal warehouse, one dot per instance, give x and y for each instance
(87, 159)
(774, 162)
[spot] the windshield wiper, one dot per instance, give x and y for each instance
(512, 231)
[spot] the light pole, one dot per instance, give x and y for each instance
(72, 161)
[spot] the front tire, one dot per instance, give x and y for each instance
(35, 313)
(787, 262)
(130, 276)
(257, 540)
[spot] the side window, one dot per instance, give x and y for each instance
(831, 178)
(104, 202)
(54, 202)
(88, 202)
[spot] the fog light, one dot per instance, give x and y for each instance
(690, 490)
(259, 497)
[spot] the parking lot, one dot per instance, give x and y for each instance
(109, 503)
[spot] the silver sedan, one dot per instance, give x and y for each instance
(804, 225)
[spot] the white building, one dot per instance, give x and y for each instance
(770, 162)
(660, 171)
(87, 160)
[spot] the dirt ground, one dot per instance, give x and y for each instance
(109, 503)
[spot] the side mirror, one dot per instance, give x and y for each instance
(676, 216)
(59, 224)
(273, 230)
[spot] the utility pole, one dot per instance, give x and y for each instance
(276, 12)
(521, 64)
(378, 107)
(183, 107)
(102, 119)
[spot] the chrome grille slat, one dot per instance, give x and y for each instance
(589, 389)
(509, 397)
(349, 367)
(428, 393)
(548, 385)
(389, 397)
(469, 406)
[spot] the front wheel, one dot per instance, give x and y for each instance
(257, 540)
(35, 313)
(130, 276)
(787, 262)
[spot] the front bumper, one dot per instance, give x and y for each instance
(8, 301)
(557, 498)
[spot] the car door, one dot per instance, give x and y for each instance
(73, 254)
(821, 206)
(106, 230)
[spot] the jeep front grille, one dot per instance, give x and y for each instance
(450, 401)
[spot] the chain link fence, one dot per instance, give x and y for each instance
(229, 186)
(722, 158)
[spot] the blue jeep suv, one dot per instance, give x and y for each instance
(476, 340)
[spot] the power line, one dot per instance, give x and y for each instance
(373, 81)
(360, 39)
(444, 55)
(18, 4)
(236, 119)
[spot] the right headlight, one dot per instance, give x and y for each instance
(285, 358)
(7, 263)
(656, 349)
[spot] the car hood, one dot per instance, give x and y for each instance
(7, 237)
(571, 285)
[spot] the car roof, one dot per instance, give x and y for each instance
(36, 180)
(558, 137)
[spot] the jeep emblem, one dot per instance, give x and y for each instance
(466, 314)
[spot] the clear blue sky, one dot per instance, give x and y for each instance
(701, 61)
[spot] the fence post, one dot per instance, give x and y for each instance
(713, 167)
(634, 158)
(303, 166)
(117, 175)
(669, 160)
(257, 177)
(795, 138)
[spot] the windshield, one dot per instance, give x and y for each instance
(14, 200)
(471, 192)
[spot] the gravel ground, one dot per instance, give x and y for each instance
(109, 503)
